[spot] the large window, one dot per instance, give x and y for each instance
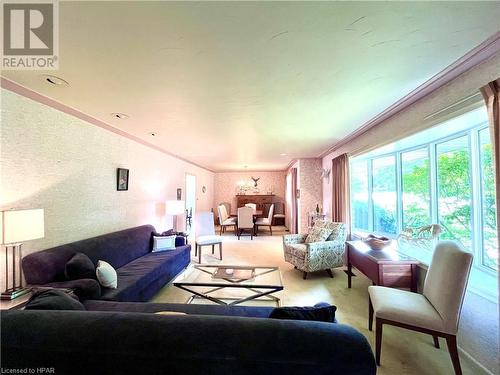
(359, 194)
(384, 194)
(443, 175)
(416, 193)
(454, 190)
(489, 234)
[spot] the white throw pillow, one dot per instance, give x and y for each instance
(163, 243)
(106, 275)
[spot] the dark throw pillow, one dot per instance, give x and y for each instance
(321, 312)
(79, 267)
(53, 299)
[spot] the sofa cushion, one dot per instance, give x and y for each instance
(198, 309)
(53, 299)
(140, 273)
(79, 267)
(106, 275)
(318, 234)
(83, 288)
(320, 313)
(163, 243)
(335, 227)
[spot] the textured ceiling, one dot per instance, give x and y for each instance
(234, 84)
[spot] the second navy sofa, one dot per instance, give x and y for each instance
(141, 272)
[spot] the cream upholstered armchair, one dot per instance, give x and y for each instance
(436, 311)
(316, 256)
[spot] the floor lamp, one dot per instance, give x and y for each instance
(174, 208)
(17, 226)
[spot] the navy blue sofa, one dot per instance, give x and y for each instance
(141, 273)
(125, 338)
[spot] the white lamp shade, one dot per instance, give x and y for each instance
(174, 207)
(21, 225)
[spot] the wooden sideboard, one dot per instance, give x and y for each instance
(386, 267)
(262, 201)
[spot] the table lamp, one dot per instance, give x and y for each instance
(17, 226)
(174, 208)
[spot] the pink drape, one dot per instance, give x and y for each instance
(491, 94)
(340, 190)
(294, 222)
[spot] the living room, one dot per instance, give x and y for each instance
(160, 116)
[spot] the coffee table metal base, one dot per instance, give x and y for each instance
(257, 296)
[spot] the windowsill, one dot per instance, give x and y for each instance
(481, 283)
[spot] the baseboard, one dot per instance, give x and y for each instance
(484, 370)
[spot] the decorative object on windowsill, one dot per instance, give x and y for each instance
(17, 226)
(423, 237)
(121, 179)
(377, 242)
(317, 208)
(174, 208)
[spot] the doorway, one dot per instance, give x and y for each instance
(190, 203)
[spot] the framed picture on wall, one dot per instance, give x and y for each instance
(121, 179)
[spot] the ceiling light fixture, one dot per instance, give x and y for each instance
(121, 116)
(283, 154)
(153, 134)
(53, 80)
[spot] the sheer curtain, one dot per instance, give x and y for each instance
(491, 94)
(340, 190)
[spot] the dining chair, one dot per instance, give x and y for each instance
(225, 220)
(279, 214)
(245, 221)
(266, 221)
(228, 207)
(253, 206)
(435, 312)
(205, 234)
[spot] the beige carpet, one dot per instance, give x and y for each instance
(403, 352)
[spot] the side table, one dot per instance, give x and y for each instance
(386, 267)
(16, 303)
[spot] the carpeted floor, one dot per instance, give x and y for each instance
(403, 352)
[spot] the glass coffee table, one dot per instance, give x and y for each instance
(250, 282)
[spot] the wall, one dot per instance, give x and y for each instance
(478, 333)
(226, 185)
(311, 191)
(57, 162)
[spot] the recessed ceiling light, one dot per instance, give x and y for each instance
(283, 154)
(121, 116)
(53, 80)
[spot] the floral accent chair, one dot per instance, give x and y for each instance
(320, 250)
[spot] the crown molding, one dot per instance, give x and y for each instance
(474, 57)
